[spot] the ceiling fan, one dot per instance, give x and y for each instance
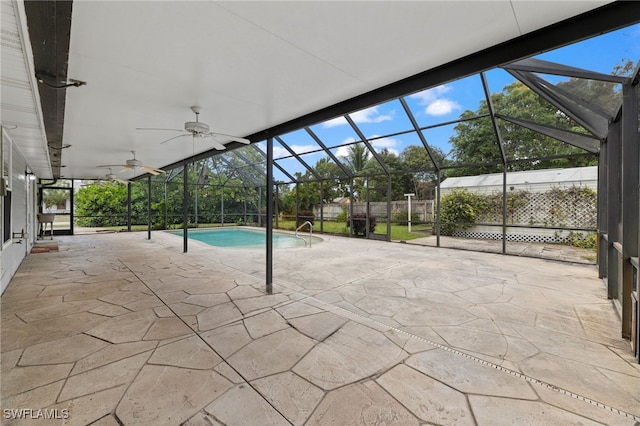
(110, 177)
(133, 164)
(200, 130)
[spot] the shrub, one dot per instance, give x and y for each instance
(401, 217)
(343, 216)
(360, 224)
(578, 239)
(460, 210)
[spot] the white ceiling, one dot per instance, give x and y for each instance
(252, 65)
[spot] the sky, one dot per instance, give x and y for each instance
(443, 104)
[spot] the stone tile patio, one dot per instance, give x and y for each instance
(116, 329)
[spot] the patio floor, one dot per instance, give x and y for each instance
(116, 329)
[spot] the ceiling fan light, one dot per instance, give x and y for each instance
(196, 127)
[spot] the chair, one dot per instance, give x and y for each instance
(43, 220)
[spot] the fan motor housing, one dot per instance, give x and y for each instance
(196, 127)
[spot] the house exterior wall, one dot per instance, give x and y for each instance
(530, 181)
(23, 193)
(542, 205)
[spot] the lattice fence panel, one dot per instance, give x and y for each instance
(564, 208)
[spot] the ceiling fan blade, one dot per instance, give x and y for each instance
(156, 128)
(217, 145)
(151, 170)
(175, 137)
(235, 138)
(121, 181)
(112, 165)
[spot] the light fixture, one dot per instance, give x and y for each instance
(43, 78)
(59, 148)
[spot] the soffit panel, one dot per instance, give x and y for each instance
(20, 107)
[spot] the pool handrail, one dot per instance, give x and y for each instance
(310, 232)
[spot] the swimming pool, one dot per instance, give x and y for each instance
(245, 237)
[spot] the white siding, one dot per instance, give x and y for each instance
(531, 181)
(13, 252)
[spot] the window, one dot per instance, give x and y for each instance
(5, 189)
(5, 164)
(6, 217)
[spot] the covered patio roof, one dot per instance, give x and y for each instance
(257, 69)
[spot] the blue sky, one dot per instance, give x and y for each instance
(445, 103)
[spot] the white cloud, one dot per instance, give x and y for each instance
(338, 121)
(342, 152)
(368, 115)
(430, 95)
(279, 152)
(435, 102)
(385, 143)
(442, 106)
(301, 149)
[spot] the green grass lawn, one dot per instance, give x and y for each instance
(398, 232)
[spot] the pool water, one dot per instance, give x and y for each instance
(242, 237)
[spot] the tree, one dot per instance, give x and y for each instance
(420, 171)
(103, 204)
(475, 141)
(357, 158)
(56, 197)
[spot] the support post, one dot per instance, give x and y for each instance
(222, 207)
(614, 203)
(389, 208)
(367, 209)
(166, 206)
(603, 237)
(504, 209)
(438, 208)
(297, 202)
(321, 206)
(149, 207)
(259, 206)
(185, 207)
(630, 197)
(351, 207)
(195, 201)
(276, 211)
(128, 207)
(269, 218)
(409, 210)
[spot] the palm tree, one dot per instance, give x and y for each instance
(357, 159)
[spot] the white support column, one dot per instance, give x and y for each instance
(409, 209)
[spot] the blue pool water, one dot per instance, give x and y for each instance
(242, 237)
